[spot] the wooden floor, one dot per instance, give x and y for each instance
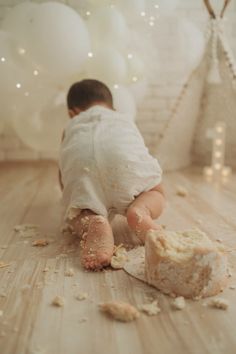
(29, 193)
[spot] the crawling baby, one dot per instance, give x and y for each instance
(105, 169)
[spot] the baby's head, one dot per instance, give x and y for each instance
(87, 93)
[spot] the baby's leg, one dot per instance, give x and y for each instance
(96, 239)
(144, 209)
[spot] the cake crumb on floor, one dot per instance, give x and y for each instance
(218, 303)
(181, 191)
(81, 296)
(119, 257)
(120, 311)
(150, 309)
(69, 272)
(178, 303)
(58, 301)
(40, 243)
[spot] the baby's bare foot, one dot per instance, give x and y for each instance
(140, 222)
(97, 243)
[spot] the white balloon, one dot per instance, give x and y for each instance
(93, 4)
(166, 7)
(14, 79)
(108, 25)
(13, 76)
(40, 120)
(123, 100)
(18, 20)
(139, 90)
(58, 39)
(136, 68)
(107, 65)
(132, 9)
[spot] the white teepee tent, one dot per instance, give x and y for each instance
(208, 96)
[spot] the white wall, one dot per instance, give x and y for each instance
(161, 92)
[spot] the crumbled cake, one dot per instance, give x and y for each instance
(58, 301)
(81, 296)
(120, 311)
(178, 303)
(181, 191)
(150, 309)
(119, 258)
(69, 272)
(185, 263)
(40, 243)
(218, 303)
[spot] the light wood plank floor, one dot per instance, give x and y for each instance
(29, 193)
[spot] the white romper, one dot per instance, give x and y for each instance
(104, 163)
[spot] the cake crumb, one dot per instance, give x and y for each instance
(119, 257)
(69, 272)
(58, 301)
(81, 296)
(139, 217)
(232, 287)
(120, 311)
(40, 243)
(178, 303)
(181, 191)
(218, 303)
(150, 309)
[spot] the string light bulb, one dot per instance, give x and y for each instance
(218, 169)
(130, 56)
(3, 59)
(18, 85)
(90, 54)
(88, 13)
(218, 142)
(143, 13)
(116, 86)
(134, 78)
(35, 72)
(21, 51)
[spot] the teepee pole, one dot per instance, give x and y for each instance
(210, 9)
(226, 3)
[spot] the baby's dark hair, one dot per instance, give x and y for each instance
(84, 93)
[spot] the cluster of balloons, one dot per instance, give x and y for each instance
(47, 47)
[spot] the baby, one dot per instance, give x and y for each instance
(105, 169)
